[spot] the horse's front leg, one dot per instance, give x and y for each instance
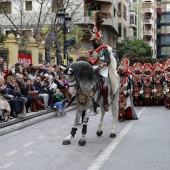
(68, 139)
(99, 130)
(82, 140)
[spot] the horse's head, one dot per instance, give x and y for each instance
(69, 76)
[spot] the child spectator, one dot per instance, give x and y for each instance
(58, 101)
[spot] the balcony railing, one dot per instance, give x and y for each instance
(148, 32)
(149, 10)
(148, 21)
(150, 43)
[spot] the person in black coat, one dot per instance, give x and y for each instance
(39, 87)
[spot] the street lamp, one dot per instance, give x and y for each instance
(64, 21)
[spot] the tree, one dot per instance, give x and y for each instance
(41, 16)
(139, 47)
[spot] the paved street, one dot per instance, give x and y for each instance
(142, 144)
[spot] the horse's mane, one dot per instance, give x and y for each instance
(85, 73)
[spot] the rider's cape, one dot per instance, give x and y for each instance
(112, 69)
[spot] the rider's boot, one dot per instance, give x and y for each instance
(105, 99)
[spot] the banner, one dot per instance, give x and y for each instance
(25, 58)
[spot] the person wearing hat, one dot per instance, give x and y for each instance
(158, 84)
(102, 59)
(167, 83)
(137, 83)
(147, 84)
(125, 97)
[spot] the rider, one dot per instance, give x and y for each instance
(100, 59)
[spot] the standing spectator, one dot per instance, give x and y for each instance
(58, 101)
(39, 88)
(62, 88)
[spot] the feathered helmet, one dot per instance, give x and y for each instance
(138, 67)
(124, 66)
(157, 67)
(97, 34)
(147, 67)
(167, 65)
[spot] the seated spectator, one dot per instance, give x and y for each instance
(32, 92)
(24, 91)
(41, 92)
(6, 72)
(5, 108)
(62, 88)
(58, 101)
(17, 104)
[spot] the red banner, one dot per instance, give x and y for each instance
(25, 58)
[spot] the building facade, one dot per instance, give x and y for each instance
(149, 24)
(163, 28)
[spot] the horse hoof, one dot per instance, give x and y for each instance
(99, 133)
(112, 135)
(82, 142)
(66, 142)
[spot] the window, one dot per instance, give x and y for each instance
(124, 12)
(132, 19)
(120, 30)
(28, 5)
(5, 7)
(119, 9)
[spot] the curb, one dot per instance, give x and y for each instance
(17, 124)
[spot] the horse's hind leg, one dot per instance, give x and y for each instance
(68, 139)
(82, 140)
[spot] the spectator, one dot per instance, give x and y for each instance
(62, 88)
(39, 87)
(6, 72)
(32, 92)
(17, 104)
(24, 91)
(58, 101)
(1, 63)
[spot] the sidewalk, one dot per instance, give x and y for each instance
(29, 119)
(141, 145)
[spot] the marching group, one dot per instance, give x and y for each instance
(28, 88)
(143, 85)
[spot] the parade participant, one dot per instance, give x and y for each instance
(125, 97)
(167, 84)
(158, 84)
(147, 84)
(100, 58)
(137, 83)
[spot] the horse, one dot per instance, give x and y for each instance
(85, 85)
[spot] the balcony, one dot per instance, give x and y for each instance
(147, 0)
(148, 21)
(147, 10)
(148, 32)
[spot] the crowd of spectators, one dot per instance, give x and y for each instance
(30, 88)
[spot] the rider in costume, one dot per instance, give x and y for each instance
(100, 57)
